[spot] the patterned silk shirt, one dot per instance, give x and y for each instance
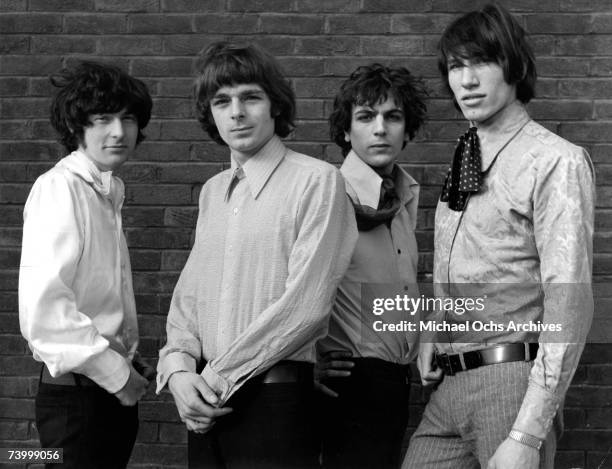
(524, 245)
(273, 239)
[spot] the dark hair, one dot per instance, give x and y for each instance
(491, 34)
(371, 84)
(226, 64)
(94, 88)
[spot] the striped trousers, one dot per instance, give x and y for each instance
(469, 415)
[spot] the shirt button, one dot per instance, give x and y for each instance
(399, 251)
(235, 210)
(406, 288)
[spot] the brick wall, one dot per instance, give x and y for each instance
(318, 43)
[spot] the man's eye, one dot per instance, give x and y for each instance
(396, 117)
(219, 101)
(129, 118)
(252, 97)
(363, 117)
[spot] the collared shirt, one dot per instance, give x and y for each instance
(384, 260)
(527, 235)
(258, 286)
(76, 301)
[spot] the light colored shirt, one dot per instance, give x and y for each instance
(383, 264)
(271, 246)
(527, 235)
(76, 301)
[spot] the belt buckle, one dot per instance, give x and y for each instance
(443, 361)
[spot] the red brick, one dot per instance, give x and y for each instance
(588, 396)
(600, 66)
(9, 258)
(13, 5)
(395, 45)
(318, 131)
(586, 132)
(189, 173)
(602, 23)
(559, 23)
(316, 87)
(118, 45)
(145, 259)
(15, 130)
(569, 459)
(10, 44)
(369, 23)
(574, 417)
(122, 63)
(158, 238)
(147, 432)
(275, 45)
(162, 66)
(599, 459)
(329, 45)
(8, 301)
(136, 6)
(317, 6)
(12, 172)
(584, 5)
(13, 430)
(583, 439)
(30, 23)
(159, 24)
(302, 67)
(222, 23)
(155, 282)
(142, 216)
(173, 433)
(10, 237)
(463, 6)
(181, 130)
(10, 321)
(61, 5)
(561, 110)
(181, 216)
(162, 151)
(19, 108)
(174, 260)
(600, 375)
(14, 193)
(147, 304)
(387, 6)
(583, 45)
(292, 24)
(173, 108)
(12, 87)
(97, 23)
(259, 5)
(426, 23)
(310, 109)
(542, 45)
(32, 65)
(191, 6)
(601, 153)
(563, 66)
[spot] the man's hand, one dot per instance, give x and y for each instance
(332, 365)
(514, 455)
(133, 390)
(430, 373)
(195, 401)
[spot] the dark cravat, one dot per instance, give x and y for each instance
(388, 205)
(465, 174)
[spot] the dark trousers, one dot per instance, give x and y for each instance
(272, 426)
(364, 426)
(90, 424)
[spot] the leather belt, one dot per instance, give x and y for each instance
(455, 363)
(67, 379)
(288, 371)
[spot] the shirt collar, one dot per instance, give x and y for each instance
(103, 182)
(259, 167)
(365, 182)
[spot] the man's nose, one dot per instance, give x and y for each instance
(380, 127)
(469, 78)
(117, 128)
(237, 108)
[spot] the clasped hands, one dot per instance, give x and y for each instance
(195, 401)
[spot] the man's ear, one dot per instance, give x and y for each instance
(347, 137)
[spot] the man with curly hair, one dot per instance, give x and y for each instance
(274, 236)
(76, 302)
(361, 366)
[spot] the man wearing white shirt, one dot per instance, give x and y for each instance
(76, 301)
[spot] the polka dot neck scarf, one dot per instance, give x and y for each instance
(465, 174)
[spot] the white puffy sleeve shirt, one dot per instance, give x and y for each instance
(76, 300)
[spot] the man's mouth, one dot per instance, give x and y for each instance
(471, 98)
(241, 129)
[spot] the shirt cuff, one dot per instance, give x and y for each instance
(537, 412)
(219, 385)
(171, 363)
(109, 369)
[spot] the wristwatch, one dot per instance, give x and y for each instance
(526, 439)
